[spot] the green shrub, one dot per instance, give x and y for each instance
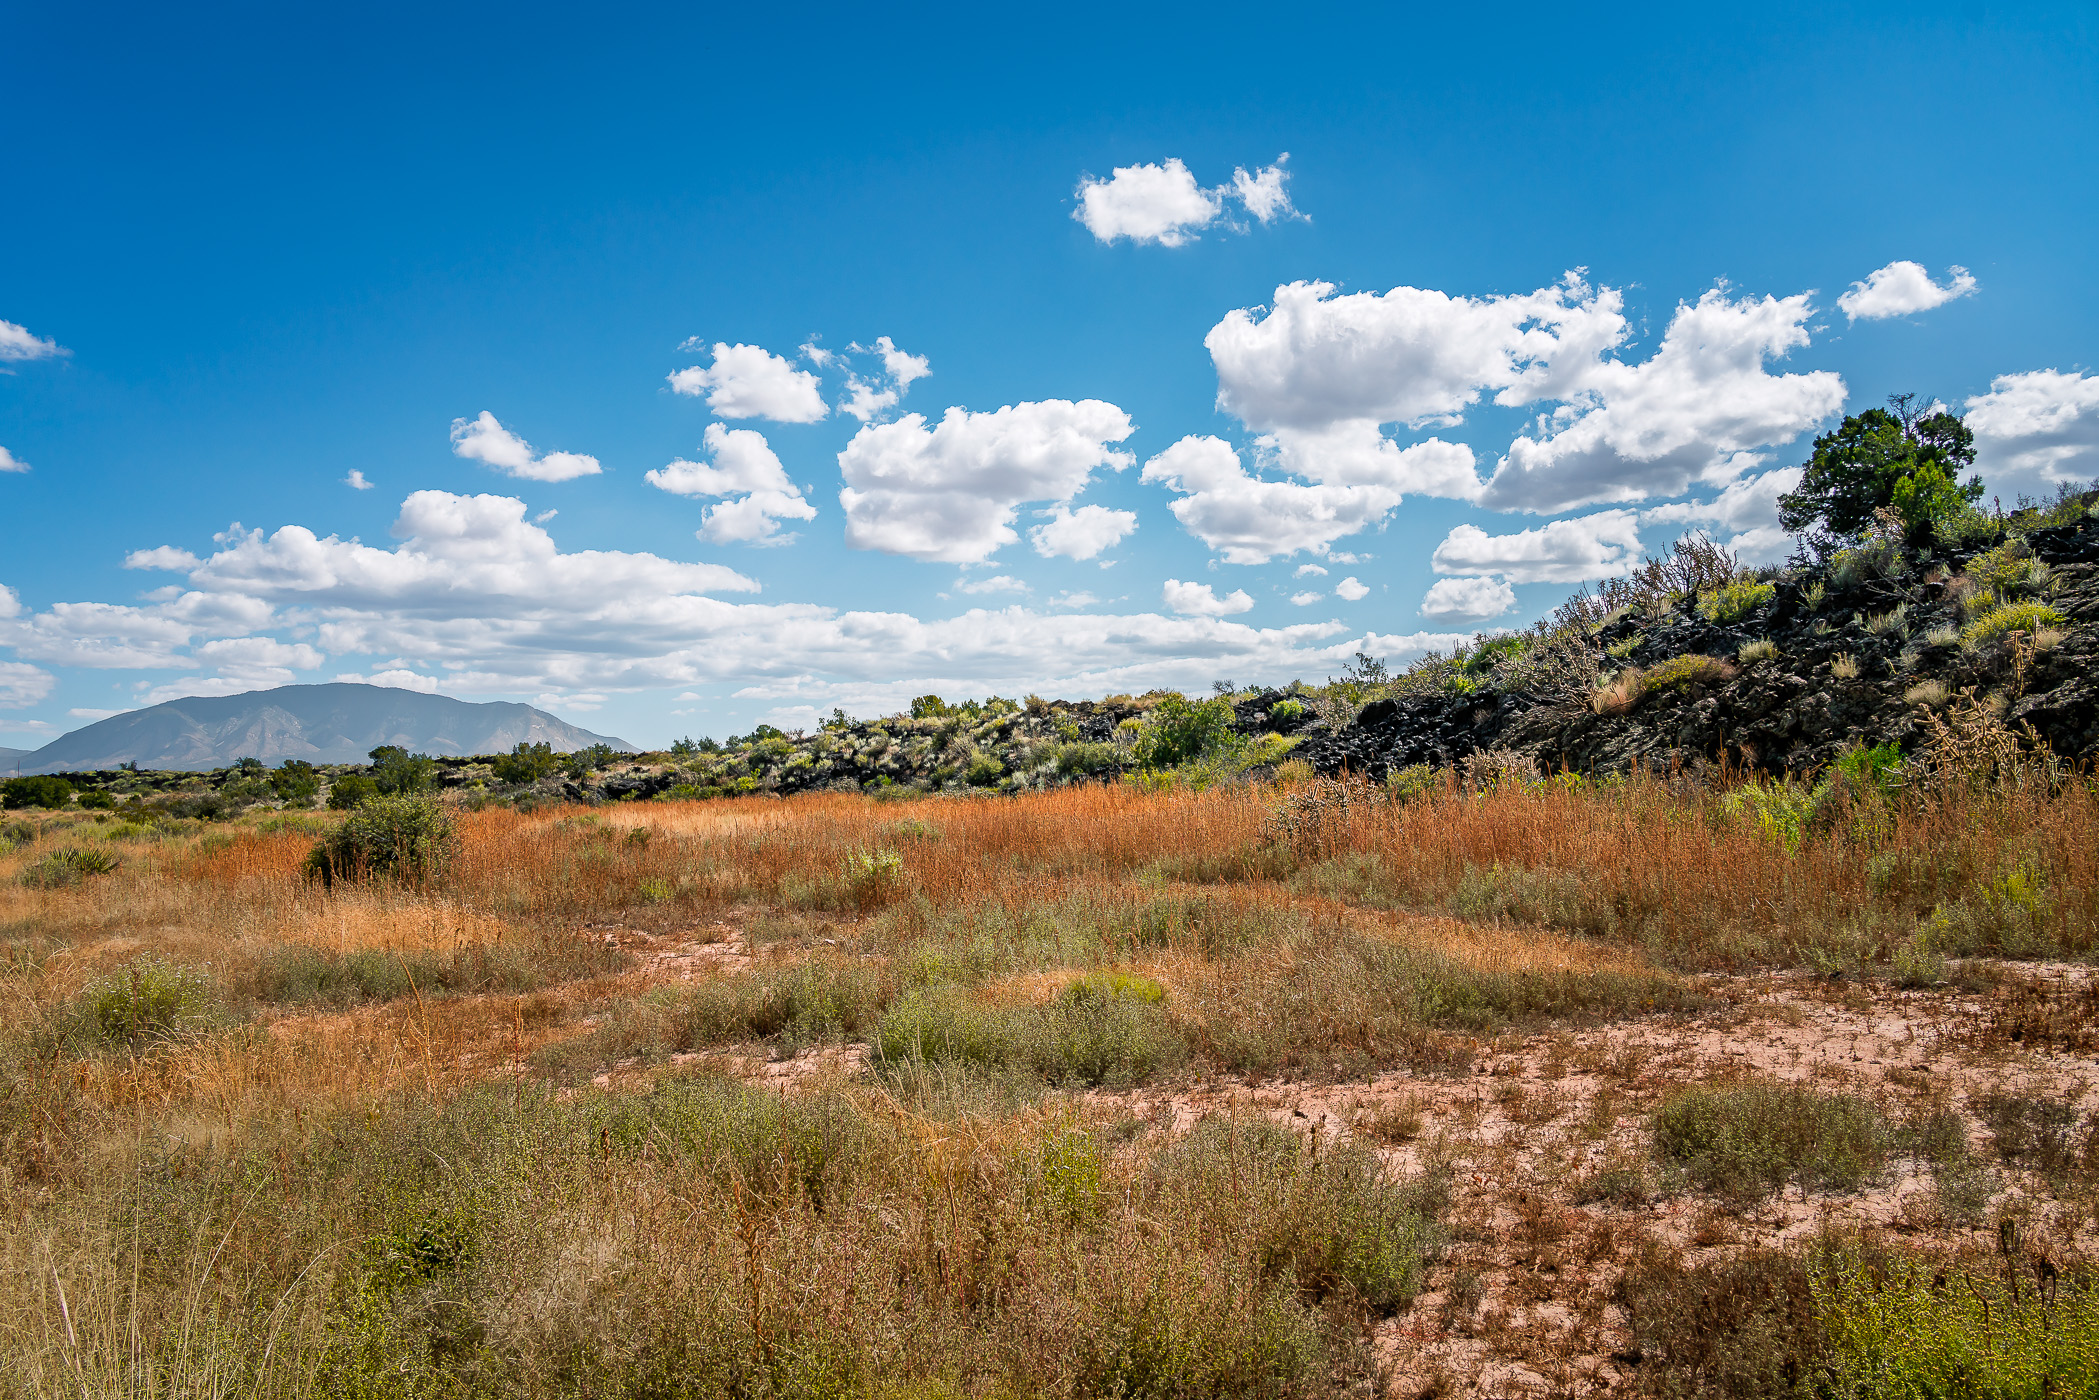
(406, 838)
(1901, 1328)
(1285, 710)
(349, 790)
(43, 791)
(527, 763)
(1735, 600)
(2005, 619)
(984, 770)
(68, 867)
(97, 800)
(1750, 1138)
(1179, 730)
(147, 1003)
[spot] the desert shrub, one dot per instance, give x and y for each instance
(1890, 623)
(1844, 666)
(407, 838)
(98, 800)
(1734, 600)
(871, 877)
(1283, 711)
(2007, 618)
(2004, 570)
(1749, 1138)
(1180, 730)
(42, 791)
(1930, 694)
(983, 770)
(1900, 1328)
(349, 790)
(528, 763)
(2033, 1131)
(1737, 1328)
(148, 1003)
(68, 866)
(13, 834)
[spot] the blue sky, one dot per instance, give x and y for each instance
(252, 253)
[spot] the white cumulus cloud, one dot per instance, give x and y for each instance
(11, 463)
(1901, 288)
(2040, 427)
(483, 439)
(745, 467)
(1262, 192)
(16, 343)
(1200, 600)
(165, 557)
(1410, 355)
(868, 399)
(1352, 590)
(950, 492)
(356, 481)
(1468, 599)
(748, 381)
(1083, 533)
(1250, 520)
(1690, 412)
(23, 685)
(1000, 583)
(1565, 551)
(1147, 204)
(1307, 598)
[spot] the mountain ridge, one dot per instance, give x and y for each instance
(338, 722)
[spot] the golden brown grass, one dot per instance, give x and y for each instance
(408, 1173)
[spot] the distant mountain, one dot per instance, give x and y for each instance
(319, 723)
(9, 756)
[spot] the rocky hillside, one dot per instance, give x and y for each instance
(1784, 673)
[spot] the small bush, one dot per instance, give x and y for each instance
(68, 867)
(1844, 666)
(46, 792)
(96, 800)
(1083, 760)
(148, 1003)
(1735, 600)
(405, 837)
(2032, 1131)
(2005, 619)
(1930, 694)
(1750, 1138)
(349, 790)
(1179, 730)
(1781, 809)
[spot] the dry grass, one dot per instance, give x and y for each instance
(378, 1159)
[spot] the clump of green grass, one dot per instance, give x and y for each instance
(1762, 649)
(1749, 1138)
(68, 866)
(1101, 1029)
(147, 1003)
